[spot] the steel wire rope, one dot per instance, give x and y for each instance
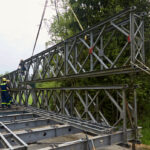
(45, 6)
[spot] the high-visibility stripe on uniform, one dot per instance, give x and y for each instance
(4, 90)
(3, 83)
(3, 103)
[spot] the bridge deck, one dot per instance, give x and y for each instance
(41, 129)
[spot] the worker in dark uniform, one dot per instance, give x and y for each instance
(22, 67)
(4, 93)
(10, 99)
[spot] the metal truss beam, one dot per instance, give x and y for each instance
(122, 70)
(40, 134)
(77, 57)
(86, 108)
(11, 113)
(92, 113)
(93, 143)
(80, 124)
(61, 105)
(26, 124)
(14, 117)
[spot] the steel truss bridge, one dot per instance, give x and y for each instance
(111, 47)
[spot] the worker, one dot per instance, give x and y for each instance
(4, 93)
(10, 99)
(22, 67)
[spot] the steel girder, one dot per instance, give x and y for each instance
(29, 123)
(14, 117)
(109, 48)
(40, 134)
(93, 143)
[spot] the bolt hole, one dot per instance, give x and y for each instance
(44, 134)
(12, 140)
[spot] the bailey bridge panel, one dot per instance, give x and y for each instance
(105, 49)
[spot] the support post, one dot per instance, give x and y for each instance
(71, 104)
(66, 51)
(142, 32)
(135, 115)
(124, 119)
(63, 102)
(86, 99)
(91, 56)
(135, 122)
(97, 110)
(101, 52)
(131, 37)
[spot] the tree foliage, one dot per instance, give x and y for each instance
(89, 13)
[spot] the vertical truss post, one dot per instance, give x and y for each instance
(33, 97)
(86, 105)
(76, 56)
(135, 115)
(63, 102)
(131, 37)
(101, 52)
(97, 111)
(71, 104)
(26, 97)
(124, 118)
(142, 32)
(42, 99)
(66, 51)
(20, 97)
(91, 56)
(57, 66)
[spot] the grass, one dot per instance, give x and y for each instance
(146, 136)
(145, 124)
(48, 85)
(29, 99)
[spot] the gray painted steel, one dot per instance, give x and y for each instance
(66, 60)
(79, 58)
(96, 142)
(26, 124)
(31, 137)
(14, 117)
(95, 128)
(11, 112)
(17, 143)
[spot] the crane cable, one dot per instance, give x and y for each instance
(55, 1)
(45, 6)
(77, 19)
(80, 25)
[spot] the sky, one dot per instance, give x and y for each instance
(19, 22)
